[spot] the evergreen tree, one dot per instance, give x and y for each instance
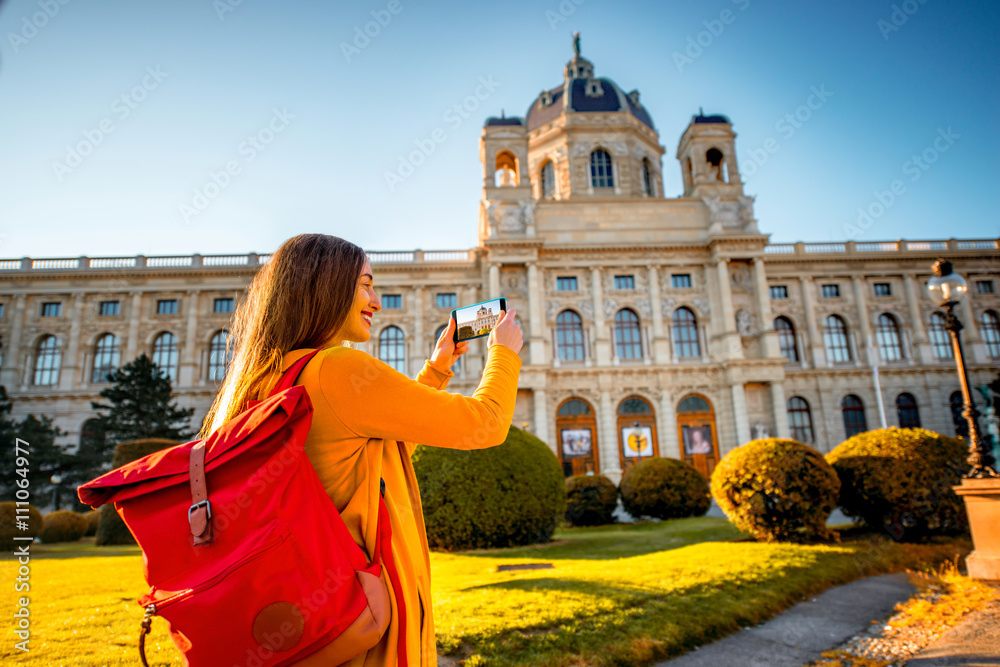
(45, 457)
(140, 406)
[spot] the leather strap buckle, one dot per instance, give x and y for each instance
(204, 503)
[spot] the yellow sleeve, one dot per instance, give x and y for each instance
(374, 400)
(434, 378)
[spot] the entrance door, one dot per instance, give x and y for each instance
(636, 432)
(577, 428)
(697, 434)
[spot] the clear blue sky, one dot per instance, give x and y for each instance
(220, 75)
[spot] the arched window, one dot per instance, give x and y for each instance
(569, 336)
(854, 415)
(218, 358)
(906, 410)
(686, 334)
(106, 358)
(647, 178)
(455, 367)
(890, 348)
(786, 338)
(838, 350)
(47, 360)
(989, 329)
(548, 180)
(628, 341)
(600, 169)
(940, 338)
(506, 170)
(716, 164)
(391, 348)
(800, 419)
(165, 354)
(574, 408)
(957, 404)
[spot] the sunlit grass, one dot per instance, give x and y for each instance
(625, 595)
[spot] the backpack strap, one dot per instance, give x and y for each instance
(289, 377)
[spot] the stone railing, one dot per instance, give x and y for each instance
(881, 246)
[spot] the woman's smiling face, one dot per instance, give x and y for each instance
(357, 327)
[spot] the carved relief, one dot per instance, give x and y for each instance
(728, 214)
(703, 306)
(667, 304)
(610, 307)
(745, 323)
(586, 307)
(645, 307)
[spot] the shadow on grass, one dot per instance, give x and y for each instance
(84, 548)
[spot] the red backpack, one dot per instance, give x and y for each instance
(247, 557)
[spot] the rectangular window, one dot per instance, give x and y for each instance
(831, 291)
(3, 309)
(109, 308)
(166, 307)
(624, 282)
(984, 287)
(51, 309)
(680, 280)
(392, 301)
(223, 306)
(883, 289)
(447, 300)
(779, 291)
(566, 284)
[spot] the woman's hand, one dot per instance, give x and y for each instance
(506, 332)
(446, 352)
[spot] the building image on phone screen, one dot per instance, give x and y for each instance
(480, 321)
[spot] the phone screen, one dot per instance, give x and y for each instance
(478, 319)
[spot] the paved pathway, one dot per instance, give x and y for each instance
(800, 635)
(975, 642)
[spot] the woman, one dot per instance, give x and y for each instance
(317, 292)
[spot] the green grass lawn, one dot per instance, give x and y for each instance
(617, 595)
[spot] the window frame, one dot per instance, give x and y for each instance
(676, 278)
(562, 280)
(441, 302)
(830, 291)
(777, 292)
(625, 282)
(392, 301)
(161, 308)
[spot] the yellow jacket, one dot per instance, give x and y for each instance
(366, 416)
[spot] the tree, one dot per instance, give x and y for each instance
(45, 457)
(140, 406)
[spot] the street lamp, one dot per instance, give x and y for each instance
(57, 480)
(946, 289)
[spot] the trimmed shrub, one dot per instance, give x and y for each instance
(8, 524)
(93, 518)
(110, 527)
(590, 500)
(777, 489)
(509, 495)
(899, 480)
(664, 489)
(63, 526)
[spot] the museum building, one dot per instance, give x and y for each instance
(653, 325)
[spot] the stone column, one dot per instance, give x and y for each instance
(189, 366)
(418, 351)
(132, 344)
(740, 418)
(494, 281)
(535, 320)
(865, 326)
(779, 407)
(816, 350)
(667, 428)
(10, 374)
(660, 345)
(972, 342)
(542, 427)
(769, 336)
(732, 348)
(602, 346)
(608, 425)
(71, 362)
(922, 347)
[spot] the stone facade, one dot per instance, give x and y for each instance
(622, 294)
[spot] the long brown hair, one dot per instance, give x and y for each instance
(299, 299)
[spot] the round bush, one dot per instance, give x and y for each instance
(8, 524)
(590, 500)
(509, 495)
(110, 528)
(777, 489)
(665, 489)
(93, 518)
(899, 480)
(63, 526)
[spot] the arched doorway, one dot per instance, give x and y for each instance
(577, 428)
(636, 432)
(696, 430)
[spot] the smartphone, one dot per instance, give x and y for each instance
(478, 319)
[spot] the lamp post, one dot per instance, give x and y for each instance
(57, 480)
(980, 488)
(946, 289)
